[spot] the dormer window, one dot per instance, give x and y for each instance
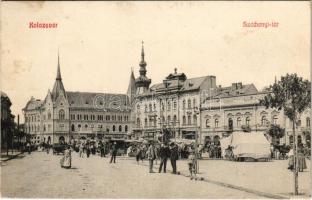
(87, 102)
(191, 84)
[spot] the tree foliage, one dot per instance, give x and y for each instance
(291, 93)
(275, 131)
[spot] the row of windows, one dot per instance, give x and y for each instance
(189, 120)
(264, 121)
(98, 117)
(152, 107)
(100, 126)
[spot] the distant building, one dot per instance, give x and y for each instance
(65, 115)
(237, 108)
(7, 122)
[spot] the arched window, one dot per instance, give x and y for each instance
(189, 120)
(61, 114)
(120, 128)
(274, 119)
(169, 119)
(230, 123)
(150, 108)
(184, 120)
(194, 102)
(154, 106)
(175, 105)
(73, 127)
(217, 123)
(247, 121)
(239, 120)
(263, 121)
(86, 126)
(195, 119)
(174, 119)
(44, 128)
(183, 104)
(126, 128)
(145, 122)
(189, 104)
(145, 108)
(114, 128)
(291, 140)
(207, 123)
(138, 107)
(49, 115)
(308, 122)
(168, 105)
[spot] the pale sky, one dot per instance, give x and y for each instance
(99, 42)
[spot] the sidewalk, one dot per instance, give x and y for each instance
(267, 179)
(4, 157)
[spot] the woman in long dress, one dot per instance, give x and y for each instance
(66, 163)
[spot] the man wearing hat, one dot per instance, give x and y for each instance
(114, 153)
(164, 154)
(174, 156)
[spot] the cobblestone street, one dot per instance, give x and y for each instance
(40, 176)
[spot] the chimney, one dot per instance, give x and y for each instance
(239, 85)
(234, 86)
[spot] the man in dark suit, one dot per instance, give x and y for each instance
(164, 154)
(114, 153)
(174, 156)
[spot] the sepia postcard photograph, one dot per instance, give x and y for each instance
(155, 100)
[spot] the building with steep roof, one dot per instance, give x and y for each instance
(65, 115)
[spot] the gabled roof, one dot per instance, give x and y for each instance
(187, 85)
(224, 92)
(90, 100)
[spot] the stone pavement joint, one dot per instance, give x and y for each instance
(260, 193)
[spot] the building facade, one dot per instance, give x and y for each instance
(186, 107)
(173, 104)
(65, 115)
(237, 108)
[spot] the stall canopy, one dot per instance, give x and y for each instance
(248, 145)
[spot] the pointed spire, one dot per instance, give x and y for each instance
(131, 87)
(142, 52)
(142, 63)
(58, 74)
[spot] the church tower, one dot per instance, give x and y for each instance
(131, 88)
(142, 82)
(58, 85)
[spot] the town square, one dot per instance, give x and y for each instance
(158, 100)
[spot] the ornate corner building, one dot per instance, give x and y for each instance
(65, 115)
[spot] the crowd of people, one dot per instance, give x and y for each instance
(162, 152)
